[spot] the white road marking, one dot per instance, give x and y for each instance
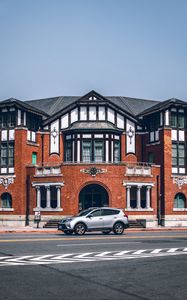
(96, 244)
(103, 253)
(139, 252)
(156, 251)
(61, 256)
(122, 253)
(172, 250)
(88, 256)
(83, 255)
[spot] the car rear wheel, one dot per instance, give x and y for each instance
(80, 229)
(118, 228)
(106, 231)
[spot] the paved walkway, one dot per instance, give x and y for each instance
(27, 229)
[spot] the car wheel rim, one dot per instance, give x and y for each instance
(119, 228)
(80, 229)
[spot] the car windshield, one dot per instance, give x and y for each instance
(84, 212)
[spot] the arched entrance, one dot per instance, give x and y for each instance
(93, 195)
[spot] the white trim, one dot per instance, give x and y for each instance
(47, 184)
(6, 209)
(139, 184)
(47, 209)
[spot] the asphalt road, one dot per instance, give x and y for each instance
(142, 265)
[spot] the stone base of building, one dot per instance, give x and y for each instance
(174, 221)
(12, 220)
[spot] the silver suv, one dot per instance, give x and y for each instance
(103, 219)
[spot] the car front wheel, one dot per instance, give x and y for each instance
(118, 228)
(80, 229)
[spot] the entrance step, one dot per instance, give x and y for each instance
(54, 224)
(135, 224)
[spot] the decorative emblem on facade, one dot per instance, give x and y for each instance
(93, 171)
(130, 134)
(6, 181)
(54, 134)
(180, 181)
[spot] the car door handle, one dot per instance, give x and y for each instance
(100, 218)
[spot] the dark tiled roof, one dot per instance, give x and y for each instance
(52, 105)
(133, 105)
(164, 104)
(12, 101)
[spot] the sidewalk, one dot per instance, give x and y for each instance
(4, 229)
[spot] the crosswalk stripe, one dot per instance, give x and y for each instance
(122, 252)
(103, 253)
(138, 252)
(172, 250)
(83, 255)
(61, 256)
(41, 257)
(156, 251)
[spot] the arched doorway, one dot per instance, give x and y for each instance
(93, 195)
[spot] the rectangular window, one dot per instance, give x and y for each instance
(178, 155)
(11, 155)
(116, 151)
(4, 119)
(181, 154)
(173, 119)
(4, 158)
(98, 151)
(86, 151)
(68, 151)
(34, 158)
(12, 119)
(7, 154)
(181, 120)
(177, 119)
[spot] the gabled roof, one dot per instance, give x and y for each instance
(132, 106)
(15, 102)
(53, 107)
(163, 105)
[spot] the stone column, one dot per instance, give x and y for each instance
(48, 197)
(138, 197)
(58, 196)
(38, 197)
(148, 196)
(128, 188)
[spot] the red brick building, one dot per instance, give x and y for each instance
(64, 154)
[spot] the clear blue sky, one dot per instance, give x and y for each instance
(135, 48)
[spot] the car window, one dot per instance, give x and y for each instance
(95, 213)
(84, 212)
(109, 212)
